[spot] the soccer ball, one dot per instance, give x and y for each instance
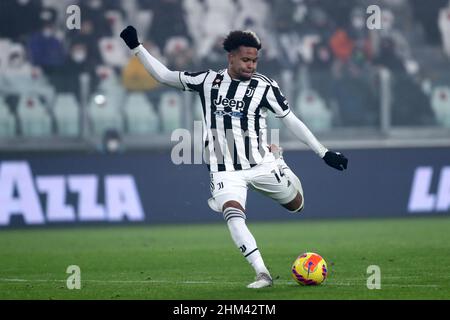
(309, 269)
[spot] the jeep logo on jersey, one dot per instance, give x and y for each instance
(232, 103)
(22, 194)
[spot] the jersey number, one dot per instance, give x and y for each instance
(276, 175)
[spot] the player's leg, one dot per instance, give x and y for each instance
(297, 204)
(274, 184)
(234, 214)
(229, 190)
(272, 181)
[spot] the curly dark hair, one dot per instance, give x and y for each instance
(235, 39)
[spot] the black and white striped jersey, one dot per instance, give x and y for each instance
(234, 116)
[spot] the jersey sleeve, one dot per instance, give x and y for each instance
(193, 81)
(158, 70)
(275, 101)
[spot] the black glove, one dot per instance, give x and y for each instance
(129, 35)
(336, 160)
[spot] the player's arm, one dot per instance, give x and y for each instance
(301, 131)
(159, 71)
(277, 103)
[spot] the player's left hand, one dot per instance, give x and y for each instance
(336, 160)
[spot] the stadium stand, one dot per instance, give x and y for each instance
(34, 117)
(440, 102)
(321, 53)
(140, 116)
(104, 113)
(67, 115)
(313, 110)
(170, 107)
(7, 121)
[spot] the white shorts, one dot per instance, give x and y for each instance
(267, 178)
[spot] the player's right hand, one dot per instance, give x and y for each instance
(129, 35)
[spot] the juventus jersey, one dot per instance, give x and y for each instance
(234, 116)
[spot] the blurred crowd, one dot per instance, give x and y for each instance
(319, 45)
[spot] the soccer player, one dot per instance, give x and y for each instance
(235, 102)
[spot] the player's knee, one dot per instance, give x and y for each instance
(295, 205)
(233, 210)
(232, 204)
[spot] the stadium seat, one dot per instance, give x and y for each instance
(140, 115)
(33, 116)
(5, 45)
(7, 121)
(3, 104)
(312, 110)
(104, 114)
(110, 85)
(170, 105)
(440, 102)
(29, 85)
(67, 115)
(113, 52)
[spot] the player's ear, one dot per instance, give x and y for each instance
(230, 58)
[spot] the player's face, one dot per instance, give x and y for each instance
(242, 63)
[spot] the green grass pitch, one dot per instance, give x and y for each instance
(201, 262)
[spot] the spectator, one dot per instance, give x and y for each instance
(77, 63)
(252, 15)
(341, 45)
(357, 103)
(95, 11)
(194, 14)
(17, 63)
(168, 21)
(18, 74)
(87, 37)
(18, 18)
(338, 10)
(214, 58)
(444, 28)
(178, 52)
(136, 78)
(426, 13)
(388, 57)
(410, 105)
(46, 48)
(218, 20)
(320, 71)
(288, 41)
